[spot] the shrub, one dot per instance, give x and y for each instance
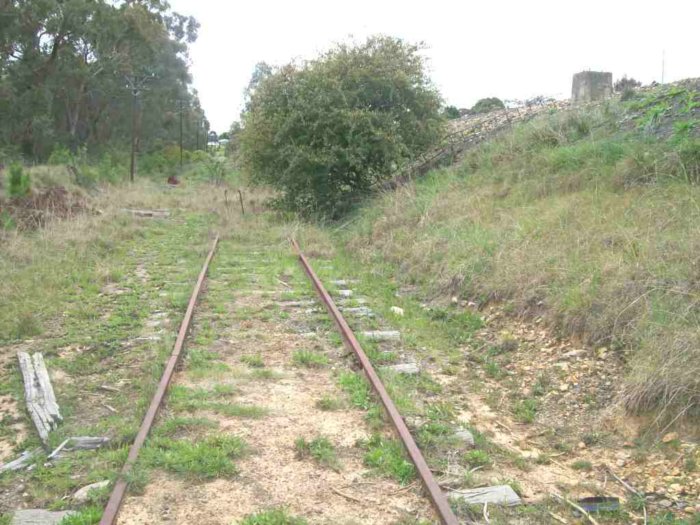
(327, 131)
(623, 84)
(486, 105)
(451, 112)
(60, 155)
(19, 183)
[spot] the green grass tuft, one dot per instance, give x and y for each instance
(357, 388)
(329, 403)
(209, 458)
(309, 359)
(320, 449)
(388, 457)
(87, 516)
(253, 361)
(272, 517)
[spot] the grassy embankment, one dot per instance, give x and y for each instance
(587, 218)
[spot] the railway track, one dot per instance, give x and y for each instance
(114, 511)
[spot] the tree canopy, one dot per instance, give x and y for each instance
(69, 68)
(325, 131)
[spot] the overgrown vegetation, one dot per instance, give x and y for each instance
(324, 132)
(209, 458)
(586, 217)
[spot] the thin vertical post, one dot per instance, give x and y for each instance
(132, 170)
(181, 134)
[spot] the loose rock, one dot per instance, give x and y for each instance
(39, 517)
(382, 335)
(496, 495)
(82, 494)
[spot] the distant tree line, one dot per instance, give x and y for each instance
(80, 73)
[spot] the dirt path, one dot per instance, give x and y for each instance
(256, 355)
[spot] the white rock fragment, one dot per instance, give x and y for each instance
(382, 335)
(404, 368)
(465, 437)
(496, 495)
(298, 304)
(39, 517)
(397, 311)
(344, 282)
(360, 311)
(82, 494)
(345, 293)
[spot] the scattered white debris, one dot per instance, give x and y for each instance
(397, 311)
(344, 293)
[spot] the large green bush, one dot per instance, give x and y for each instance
(486, 105)
(325, 131)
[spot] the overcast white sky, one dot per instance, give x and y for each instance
(512, 49)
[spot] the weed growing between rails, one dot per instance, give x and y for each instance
(256, 343)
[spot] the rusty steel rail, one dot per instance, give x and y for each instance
(115, 499)
(437, 497)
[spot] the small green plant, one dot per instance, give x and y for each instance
(357, 388)
(387, 456)
(541, 385)
(328, 403)
(60, 155)
(264, 373)
(6, 221)
(477, 458)
(273, 517)
(690, 464)
(26, 325)
(582, 464)
(309, 359)
(492, 369)
(526, 410)
(87, 516)
(253, 361)
(543, 459)
(216, 168)
(320, 449)
(19, 183)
